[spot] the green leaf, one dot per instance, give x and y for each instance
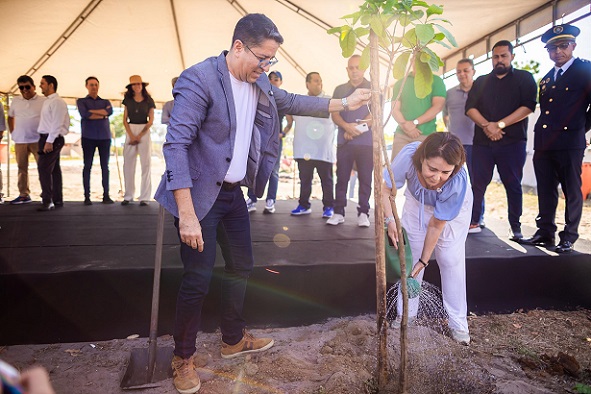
(405, 19)
(365, 18)
(423, 79)
(425, 33)
(365, 59)
(348, 42)
(438, 37)
(399, 67)
(433, 60)
(361, 31)
(334, 30)
(377, 26)
(410, 39)
(351, 16)
(434, 10)
(448, 35)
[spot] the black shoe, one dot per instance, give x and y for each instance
(59, 204)
(107, 200)
(124, 202)
(87, 201)
(539, 240)
(564, 247)
(143, 203)
(46, 207)
(515, 235)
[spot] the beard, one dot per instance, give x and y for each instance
(501, 69)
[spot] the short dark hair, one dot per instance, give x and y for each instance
(25, 79)
(467, 60)
(89, 78)
(309, 76)
(444, 145)
(504, 43)
(50, 79)
(253, 29)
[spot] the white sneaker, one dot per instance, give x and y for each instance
(269, 206)
(474, 229)
(363, 220)
(336, 219)
(251, 206)
(460, 336)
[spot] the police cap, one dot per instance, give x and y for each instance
(560, 32)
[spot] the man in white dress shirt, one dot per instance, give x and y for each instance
(53, 126)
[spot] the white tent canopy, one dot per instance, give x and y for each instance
(157, 39)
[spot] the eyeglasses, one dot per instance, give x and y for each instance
(554, 48)
(25, 87)
(263, 62)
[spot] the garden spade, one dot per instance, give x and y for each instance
(149, 366)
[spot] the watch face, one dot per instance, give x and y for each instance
(416, 122)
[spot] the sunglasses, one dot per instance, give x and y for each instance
(554, 48)
(25, 87)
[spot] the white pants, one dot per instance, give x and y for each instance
(450, 253)
(130, 153)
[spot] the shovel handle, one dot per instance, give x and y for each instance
(153, 343)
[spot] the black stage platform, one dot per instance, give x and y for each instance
(84, 273)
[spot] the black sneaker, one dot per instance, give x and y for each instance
(87, 201)
(125, 202)
(107, 200)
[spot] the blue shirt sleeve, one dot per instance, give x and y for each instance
(450, 200)
(401, 165)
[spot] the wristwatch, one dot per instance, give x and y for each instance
(388, 219)
(501, 125)
(415, 122)
(345, 104)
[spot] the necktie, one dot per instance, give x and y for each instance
(559, 74)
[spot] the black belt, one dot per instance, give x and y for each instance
(230, 186)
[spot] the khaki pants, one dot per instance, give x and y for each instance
(401, 140)
(130, 153)
(22, 152)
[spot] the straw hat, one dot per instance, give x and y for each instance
(136, 79)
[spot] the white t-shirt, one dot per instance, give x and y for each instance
(314, 138)
(26, 114)
(245, 100)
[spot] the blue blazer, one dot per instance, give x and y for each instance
(200, 139)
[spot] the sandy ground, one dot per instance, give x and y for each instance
(523, 352)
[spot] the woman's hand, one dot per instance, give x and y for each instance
(393, 233)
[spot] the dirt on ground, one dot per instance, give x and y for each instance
(525, 352)
(518, 353)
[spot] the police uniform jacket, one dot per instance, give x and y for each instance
(200, 138)
(565, 113)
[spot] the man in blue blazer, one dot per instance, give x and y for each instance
(559, 140)
(223, 134)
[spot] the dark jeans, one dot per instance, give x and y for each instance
(273, 180)
(509, 160)
(552, 168)
(227, 220)
(104, 149)
(362, 156)
(468, 149)
(324, 169)
(50, 172)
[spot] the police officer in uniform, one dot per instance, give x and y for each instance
(559, 142)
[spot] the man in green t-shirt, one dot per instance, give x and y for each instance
(415, 116)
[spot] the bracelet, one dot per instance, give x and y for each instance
(388, 219)
(345, 104)
(422, 262)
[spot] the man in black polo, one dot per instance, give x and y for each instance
(499, 104)
(559, 142)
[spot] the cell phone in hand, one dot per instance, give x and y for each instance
(362, 127)
(10, 378)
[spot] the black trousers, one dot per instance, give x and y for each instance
(324, 170)
(50, 172)
(559, 167)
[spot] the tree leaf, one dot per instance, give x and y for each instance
(348, 43)
(410, 39)
(438, 37)
(365, 58)
(434, 10)
(425, 33)
(434, 60)
(423, 79)
(377, 26)
(361, 31)
(399, 67)
(448, 35)
(334, 30)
